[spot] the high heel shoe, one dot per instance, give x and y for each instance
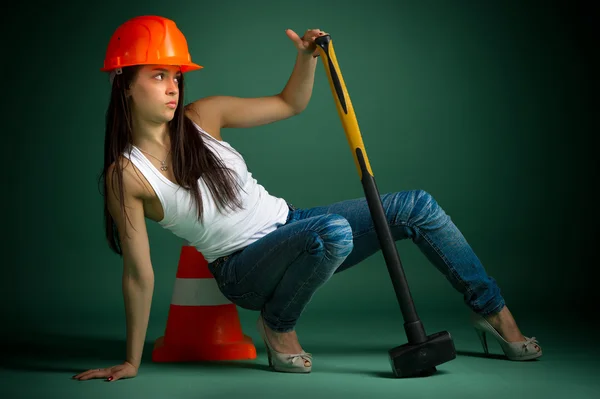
(522, 350)
(283, 362)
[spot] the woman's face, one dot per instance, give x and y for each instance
(155, 93)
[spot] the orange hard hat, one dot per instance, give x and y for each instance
(148, 40)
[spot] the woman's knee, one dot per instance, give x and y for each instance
(425, 209)
(331, 234)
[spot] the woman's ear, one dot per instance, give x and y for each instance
(128, 90)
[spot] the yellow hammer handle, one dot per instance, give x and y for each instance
(343, 104)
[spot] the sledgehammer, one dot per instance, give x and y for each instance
(422, 353)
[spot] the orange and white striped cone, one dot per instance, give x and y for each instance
(202, 324)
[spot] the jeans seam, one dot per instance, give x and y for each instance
(291, 300)
(444, 259)
(436, 249)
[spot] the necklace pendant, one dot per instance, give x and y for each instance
(163, 167)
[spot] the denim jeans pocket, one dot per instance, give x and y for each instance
(217, 270)
(222, 271)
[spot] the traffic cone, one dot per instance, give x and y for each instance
(202, 324)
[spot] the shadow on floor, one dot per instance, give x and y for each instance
(46, 352)
(481, 355)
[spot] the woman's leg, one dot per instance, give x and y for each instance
(280, 273)
(416, 215)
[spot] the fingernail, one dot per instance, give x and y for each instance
(110, 378)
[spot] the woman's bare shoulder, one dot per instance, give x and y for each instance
(200, 113)
(133, 185)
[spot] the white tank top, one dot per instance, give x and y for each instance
(219, 234)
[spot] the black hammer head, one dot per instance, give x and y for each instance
(419, 360)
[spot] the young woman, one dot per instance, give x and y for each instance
(168, 163)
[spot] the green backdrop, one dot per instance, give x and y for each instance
(485, 105)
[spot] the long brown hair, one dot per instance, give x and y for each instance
(191, 158)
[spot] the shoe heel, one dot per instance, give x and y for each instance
(268, 354)
(483, 339)
(284, 362)
(523, 350)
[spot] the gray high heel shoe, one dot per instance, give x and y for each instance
(281, 361)
(522, 350)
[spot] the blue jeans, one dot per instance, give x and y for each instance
(280, 273)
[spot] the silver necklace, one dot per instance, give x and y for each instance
(163, 165)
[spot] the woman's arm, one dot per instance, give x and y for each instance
(238, 112)
(137, 295)
(138, 276)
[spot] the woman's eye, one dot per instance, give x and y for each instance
(160, 76)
